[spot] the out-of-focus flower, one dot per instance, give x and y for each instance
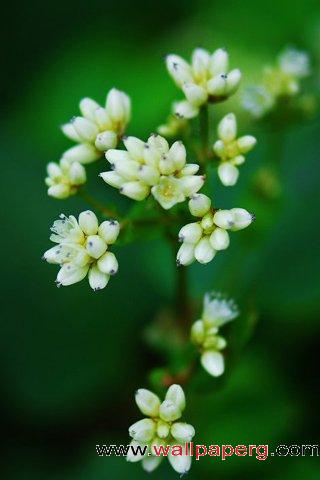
(64, 179)
(206, 79)
(82, 249)
(173, 127)
(217, 311)
(99, 128)
(161, 428)
(153, 167)
(279, 82)
(231, 150)
(202, 239)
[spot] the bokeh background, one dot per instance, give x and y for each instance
(70, 359)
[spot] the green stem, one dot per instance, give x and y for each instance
(108, 212)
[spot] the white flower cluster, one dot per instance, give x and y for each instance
(99, 128)
(82, 249)
(217, 311)
(231, 150)
(206, 79)
(64, 178)
(279, 81)
(161, 428)
(202, 239)
(153, 167)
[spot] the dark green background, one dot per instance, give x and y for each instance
(70, 359)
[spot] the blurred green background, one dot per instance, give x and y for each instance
(70, 359)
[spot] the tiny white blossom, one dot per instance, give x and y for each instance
(231, 150)
(82, 249)
(161, 428)
(99, 128)
(206, 78)
(155, 168)
(64, 179)
(202, 239)
(217, 310)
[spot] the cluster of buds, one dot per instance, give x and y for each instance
(82, 249)
(279, 81)
(205, 332)
(231, 150)
(206, 79)
(161, 428)
(65, 178)
(99, 128)
(153, 167)
(202, 239)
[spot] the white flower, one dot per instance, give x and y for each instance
(202, 239)
(99, 128)
(153, 167)
(82, 249)
(205, 79)
(231, 150)
(161, 428)
(217, 310)
(64, 178)
(294, 62)
(257, 100)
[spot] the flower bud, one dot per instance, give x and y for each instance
(219, 62)
(204, 252)
(102, 119)
(200, 63)
(238, 160)
(207, 221)
(134, 454)
(106, 140)
(151, 155)
(158, 143)
(143, 430)
(70, 132)
(70, 274)
(135, 190)
(227, 128)
(163, 429)
(185, 255)
(195, 94)
(190, 233)
(219, 149)
(59, 191)
(109, 231)
(77, 174)
(185, 109)
(95, 246)
(189, 169)
(114, 155)
(246, 143)
(88, 107)
(166, 165)
(148, 174)
(86, 129)
(54, 171)
(135, 147)
(213, 362)
(88, 222)
(83, 153)
(199, 205)
(191, 184)
(127, 169)
(219, 239)
(183, 432)
(151, 462)
(177, 396)
(179, 69)
(118, 106)
(108, 264)
(169, 411)
(113, 178)
(180, 463)
(178, 154)
(228, 174)
(242, 218)
(217, 85)
(147, 402)
(224, 219)
(198, 332)
(233, 81)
